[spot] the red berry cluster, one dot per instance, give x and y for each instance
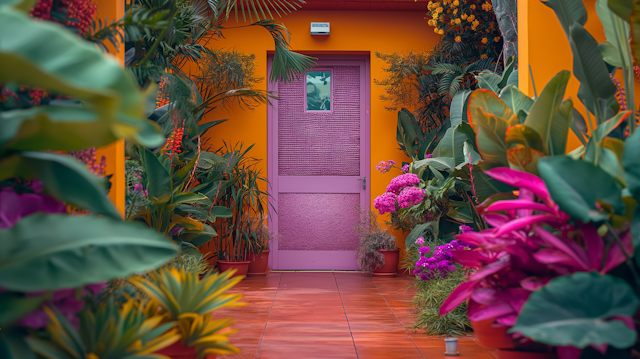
(42, 10)
(88, 157)
(78, 13)
(163, 99)
(36, 94)
(174, 141)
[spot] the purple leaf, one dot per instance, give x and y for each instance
(554, 256)
(518, 204)
(457, 296)
(495, 310)
(569, 248)
(595, 244)
(521, 180)
(534, 283)
(616, 256)
(485, 296)
(469, 259)
(569, 352)
(522, 223)
(492, 268)
(496, 220)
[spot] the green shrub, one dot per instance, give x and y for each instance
(431, 294)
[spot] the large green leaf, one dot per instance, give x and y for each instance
(578, 311)
(458, 112)
(506, 74)
(45, 55)
(14, 346)
(470, 156)
(489, 81)
(489, 103)
(159, 184)
(439, 163)
(560, 128)
(590, 69)
(523, 135)
(23, 5)
(609, 163)
(605, 128)
(622, 8)
(219, 212)
(616, 50)
(490, 138)
(545, 108)
(487, 186)
(568, 12)
(429, 230)
(451, 145)
(48, 252)
(516, 99)
(63, 177)
(631, 164)
(524, 159)
(576, 186)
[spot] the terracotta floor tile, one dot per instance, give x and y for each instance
(307, 315)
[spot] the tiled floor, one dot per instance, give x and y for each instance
(306, 315)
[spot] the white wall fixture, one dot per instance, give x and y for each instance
(319, 28)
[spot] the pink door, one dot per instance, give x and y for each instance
(319, 164)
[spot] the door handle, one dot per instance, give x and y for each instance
(364, 182)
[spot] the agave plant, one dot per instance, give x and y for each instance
(130, 332)
(190, 301)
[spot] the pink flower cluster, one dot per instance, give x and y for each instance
(385, 203)
(439, 264)
(401, 182)
(410, 196)
(14, 205)
(405, 168)
(385, 167)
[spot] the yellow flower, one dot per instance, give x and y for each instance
(471, 18)
(455, 11)
(435, 16)
(476, 23)
(497, 38)
(441, 32)
(484, 56)
(456, 3)
(452, 22)
(473, 7)
(439, 10)
(464, 16)
(485, 40)
(458, 39)
(430, 5)
(458, 21)
(435, 29)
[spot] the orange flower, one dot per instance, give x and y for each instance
(458, 39)
(497, 38)
(485, 40)
(484, 56)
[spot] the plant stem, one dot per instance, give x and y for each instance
(159, 39)
(626, 254)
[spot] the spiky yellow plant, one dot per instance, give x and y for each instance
(190, 301)
(109, 333)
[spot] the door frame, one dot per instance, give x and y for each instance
(272, 147)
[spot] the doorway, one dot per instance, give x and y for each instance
(318, 164)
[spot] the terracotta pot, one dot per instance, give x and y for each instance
(241, 267)
(390, 267)
(258, 264)
(177, 350)
(491, 337)
(516, 354)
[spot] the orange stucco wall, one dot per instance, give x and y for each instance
(351, 31)
(543, 45)
(113, 10)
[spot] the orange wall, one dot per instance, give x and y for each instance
(113, 10)
(350, 31)
(543, 45)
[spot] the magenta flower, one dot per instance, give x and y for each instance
(420, 241)
(465, 229)
(385, 167)
(405, 168)
(401, 182)
(385, 203)
(67, 301)
(410, 196)
(14, 206)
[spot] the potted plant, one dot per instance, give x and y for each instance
(528, 247)
(184, 298)
(259, 239)
(377, 252)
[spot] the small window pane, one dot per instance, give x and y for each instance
(318, 90)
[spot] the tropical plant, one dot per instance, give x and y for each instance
(101, 103)
(372, 238)
(185, 298)
(456, 78)
(260, 236)
(131, 334)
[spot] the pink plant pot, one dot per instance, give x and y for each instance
(390, 267)
(258, 264)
